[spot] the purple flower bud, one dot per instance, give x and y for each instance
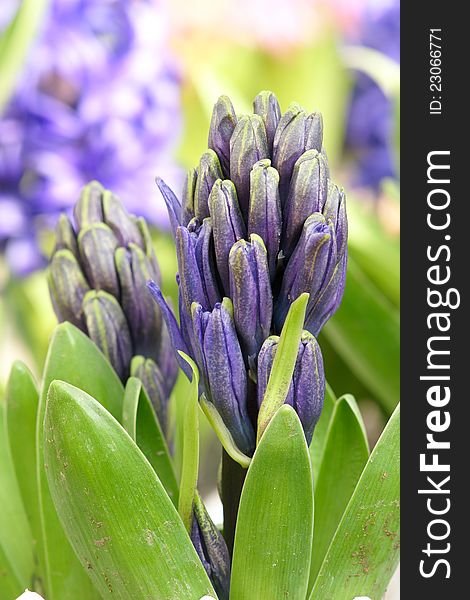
(310, 267)
(195, 334)
(195, 263)
(67, 286)
(248, 145)
(204, 250)
(222, 125)
(264, 216)
(107, 327)
(187, 205)
(228, 225)
(65, 238)
(154, 383)
(147, 247)
(118, 219)
(297, 132)
(250, 291)
(307, 195)
(225, 371)
(211, 548)
(143, 316)
(335, 210)
(307, 389)
(329, 300)
(89, 209)
(191, 285)
(267, 107)
(208, 173)
(97, 245)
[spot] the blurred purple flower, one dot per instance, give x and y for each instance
(370, 124)
(98, 98)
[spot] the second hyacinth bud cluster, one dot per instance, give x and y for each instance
(260, 222)
(97, 278)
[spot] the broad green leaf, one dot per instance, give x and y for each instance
(345, 454)
(15, 534)
(275, 519)
(190, 465)
(284, 362)
(175, 419)
(141, 423)
(365, 549)
(317, 445)
(117, 515)
(21, 414)
(130, 405)
(73, 358)
(366, 334)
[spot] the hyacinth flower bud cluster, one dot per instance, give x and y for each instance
(260, 222)
(97, 277)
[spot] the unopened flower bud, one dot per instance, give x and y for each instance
(211, 548)
(248, 145)
(209, 172)
(307, 389)
(227, 224)
(267, 107)
(250, 291)
(264, 216)
(297, 132)
(307, 195)
(309, 269)
(97, 245)
(224, 370)
(107, 327)
(67, 286)
(222, 125)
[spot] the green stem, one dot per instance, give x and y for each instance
(233, 477)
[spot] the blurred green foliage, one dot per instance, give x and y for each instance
(15, 42)
(314, 76)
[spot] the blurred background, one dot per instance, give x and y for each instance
(122, 91)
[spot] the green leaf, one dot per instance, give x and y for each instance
(275, 520)
(190, 465)
(365, 549)
(366, 334)
(284, 362)
(116, 513)
(10, 587)
(317, 445)
(141, 423)
(21, 414)
(345, 454)
(73, 358)
(15, 534)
